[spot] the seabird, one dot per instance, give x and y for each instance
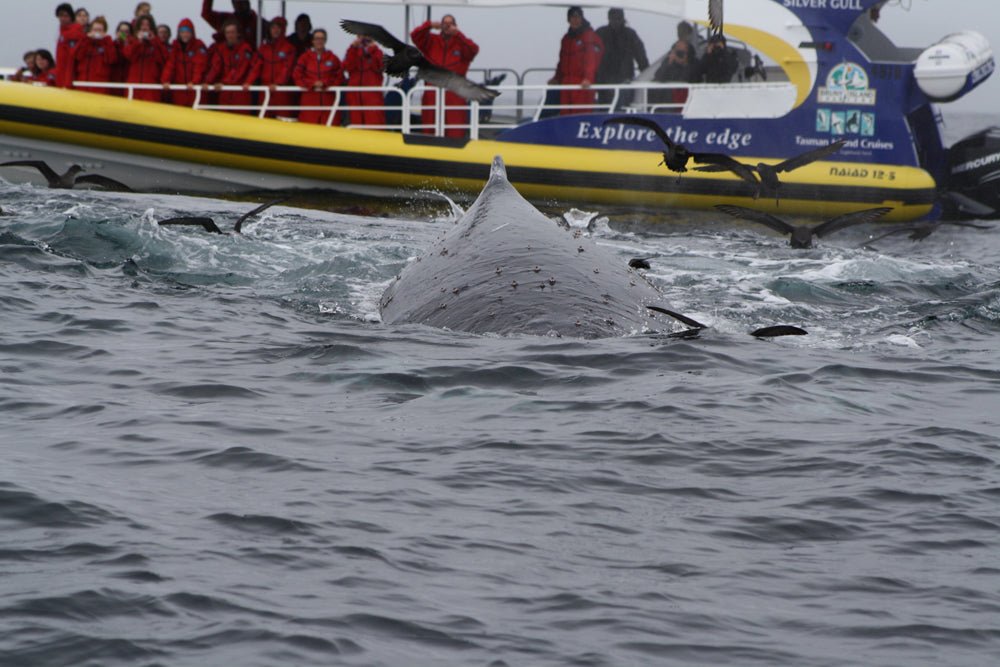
(764, 177)
(69, 179)
(677, 155)
(208, 224)
(696, 327)
(715, 16)
(405, 56)
(640, 263)
(921, 230)
(802, 235)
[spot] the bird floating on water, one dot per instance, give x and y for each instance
(69, 179)
(405, 56)
(208, 224)
(801, 236)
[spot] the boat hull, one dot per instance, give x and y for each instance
(161, 147)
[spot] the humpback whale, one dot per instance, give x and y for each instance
(505, 268)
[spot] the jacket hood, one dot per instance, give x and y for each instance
(187, 23)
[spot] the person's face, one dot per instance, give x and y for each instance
(97, 30)
(575, 21)
(277, 31)
(142, 8)
(29, 60)
(232, 34)
(302, 27)
(65, 18)
(144, 27)
(41, 62)
(241, 6)
(82, 16)
(185, 35)
(124, 29)
(163, 32)
(319, 40)
(448, 25)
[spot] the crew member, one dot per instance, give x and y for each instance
(622, 48)
(186, 65)
(71, 34)
(245, 18)
(719, 63)
(363, 65)
(230, 66)
(272, 67)
(146, 56)
(453, 51)
(96, 55)
(316, 71)
(579, 57)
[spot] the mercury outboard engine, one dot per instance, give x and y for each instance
(974, 176)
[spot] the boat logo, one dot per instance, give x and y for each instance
(847, 83)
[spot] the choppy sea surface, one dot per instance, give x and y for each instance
(213, 453)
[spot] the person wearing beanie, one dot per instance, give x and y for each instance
(580, 54)
(622, 48)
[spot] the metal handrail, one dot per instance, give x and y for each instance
(504, 116)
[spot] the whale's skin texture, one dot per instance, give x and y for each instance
(507, 269)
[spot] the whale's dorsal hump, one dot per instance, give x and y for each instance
(498, 171)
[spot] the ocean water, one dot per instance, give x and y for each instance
(213, 453)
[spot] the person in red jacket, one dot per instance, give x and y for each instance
(186, 64)
(315, 72)
(245, 17)
(45, 64)
(230, 66)
(71, 34)
(119, 71)
(96, 55)
(146, 56)
(26, 74)
(363, 65)
(272, 67)
(579, 56)
(453, 51)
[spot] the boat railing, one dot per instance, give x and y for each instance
(517, 103)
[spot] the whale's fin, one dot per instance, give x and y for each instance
(498, 171)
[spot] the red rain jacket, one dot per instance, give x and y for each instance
(363, 66)
(454, 54)
(230, 66)
(273, 63)
(248, 24)
(323, 66)
(146, 59)
(187, 62)
(70, 37)
(579, 57)
(94, 61)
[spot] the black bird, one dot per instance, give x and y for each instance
(208, 224)
(764, 177)
(640, 263)
(715, 17)
(677, 155)
(69, 179)
(405, 56)
(696, 327)
(921, 230)
(802, 235)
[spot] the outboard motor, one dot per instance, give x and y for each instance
(974, 176)
(954, 66)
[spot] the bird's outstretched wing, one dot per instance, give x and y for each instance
(643, 122)
(206, 223)
(777, 224)
(715, 16)
(958, 223)
(809, 156)
(722, 162)
(456, 83)
(104, 182)
(260, 209)
(51, 176)
(376, 32)
(850, 219)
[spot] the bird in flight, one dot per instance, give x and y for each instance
(715, 16)
(405, 56)
(921, 230)
(764, 177)
(677, 155)
(802, 235)
(208, 224)
(69, 179)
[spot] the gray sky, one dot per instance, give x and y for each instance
(517, 37)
